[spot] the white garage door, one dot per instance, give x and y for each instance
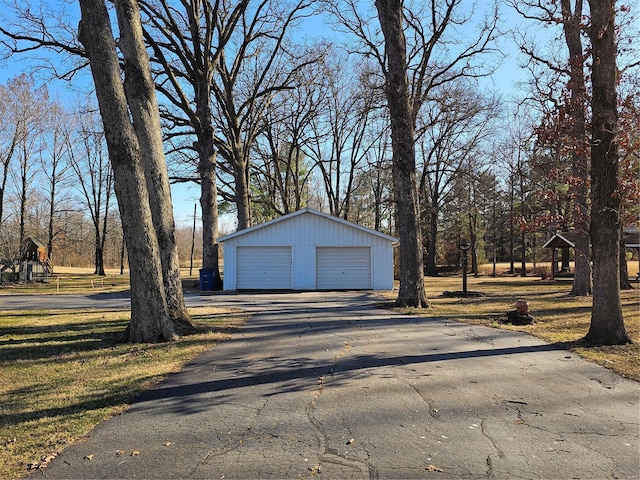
(264, 268)
(343, 268)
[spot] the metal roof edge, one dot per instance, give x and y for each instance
(571, 244)
(313, 212)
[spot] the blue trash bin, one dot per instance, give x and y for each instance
(207, 277)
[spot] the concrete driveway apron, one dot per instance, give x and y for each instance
(327, 385)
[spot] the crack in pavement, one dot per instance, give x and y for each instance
(230, 444)
(500, 452)
(326, 454)
(433, 412)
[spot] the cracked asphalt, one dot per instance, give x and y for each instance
(327, 385)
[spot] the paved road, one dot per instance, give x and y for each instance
(328, 386)
(96, 300)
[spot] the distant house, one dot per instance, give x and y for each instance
(308, 250)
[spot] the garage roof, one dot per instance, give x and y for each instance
(246, 231)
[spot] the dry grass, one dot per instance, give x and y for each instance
(559, 317)
(70, 280)
(62, 373)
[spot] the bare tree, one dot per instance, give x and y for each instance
(23, 103)
(428, 55)
(90, 162)
(402, 116)
(458, 122)
(343, 132)
(28, 150)
(137, 159)
(607, 324)
(282, 166)
(256, 63)
(187, 48)
(569, 124)
(379, 176)
(56, 167)
(120, 102)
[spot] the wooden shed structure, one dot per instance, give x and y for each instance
(566, 240)
(563, 241)
(308, 250)
(34, 260)
(33, 249)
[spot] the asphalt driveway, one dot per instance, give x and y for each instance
(327, 385)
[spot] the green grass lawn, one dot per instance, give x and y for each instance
(62, 373)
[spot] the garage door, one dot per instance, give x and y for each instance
(343, 268)
(264, 268)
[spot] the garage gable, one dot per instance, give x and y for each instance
(308, 250)
(308, 227)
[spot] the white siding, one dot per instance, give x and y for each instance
(342, 268)
(382, 266)
(263, 267)
(302, 234)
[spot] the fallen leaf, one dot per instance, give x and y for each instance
(433, 468)
(88, 457)
(166, 444)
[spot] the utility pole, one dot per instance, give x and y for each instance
(193, 239)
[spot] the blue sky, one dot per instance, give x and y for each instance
(504, 81)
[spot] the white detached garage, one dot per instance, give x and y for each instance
(308, 250)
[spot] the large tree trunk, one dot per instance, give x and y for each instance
(572, 24)
(99, 254)
(243, 200)
(607, 325)
(404, 164)
(141, 97)
(209, 205)
(150, 319)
